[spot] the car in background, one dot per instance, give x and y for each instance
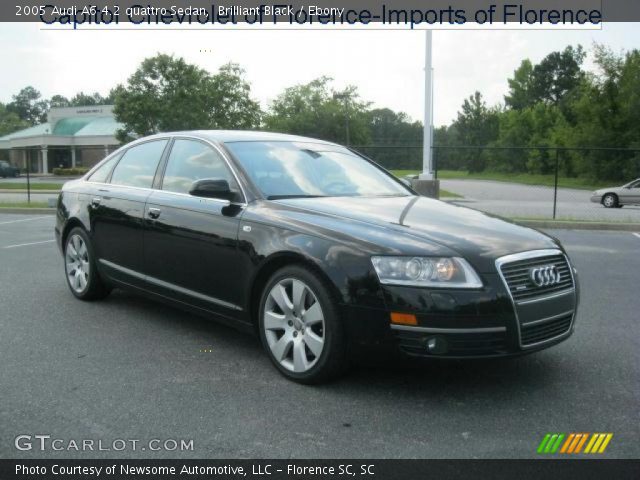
(617, 197)
(8, 170)
(314, 248)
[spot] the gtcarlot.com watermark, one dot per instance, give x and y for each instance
(42, 443)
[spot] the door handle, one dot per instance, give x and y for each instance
(154, 212)
(95, 201)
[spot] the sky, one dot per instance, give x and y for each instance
(386, 66)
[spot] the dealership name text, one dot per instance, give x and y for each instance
(303, 15)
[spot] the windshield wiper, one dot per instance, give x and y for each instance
(282, 197)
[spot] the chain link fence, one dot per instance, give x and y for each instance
(527, 182)
(517, 182)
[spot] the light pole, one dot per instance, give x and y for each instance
(425, 184)
(427, 154)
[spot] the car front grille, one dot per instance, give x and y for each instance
(517, 275)
(458, 344)
(541, 332)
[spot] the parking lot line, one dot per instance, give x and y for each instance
(637, 235)
(24, 220)
(27, 244)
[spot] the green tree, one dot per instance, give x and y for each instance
(233, 106)
(10, 122)
(476, 125)
(29, 106)
(394, 129)
(167, 93)
(82, 99)
(607, 112)
(316, 109)
(59, 101)
(520, 87)
(557, 75)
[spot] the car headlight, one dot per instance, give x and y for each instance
(443, 272)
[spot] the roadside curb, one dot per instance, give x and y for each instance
(623, 227)
(37, 211)
(33, 191)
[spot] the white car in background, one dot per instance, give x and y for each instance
(616, 197)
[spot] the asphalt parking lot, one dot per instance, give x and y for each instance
(127, 368)
(536, 201)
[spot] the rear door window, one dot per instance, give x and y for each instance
(102, 172)
(138, 165)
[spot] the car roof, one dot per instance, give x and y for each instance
(227, 136)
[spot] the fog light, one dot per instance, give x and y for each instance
(403, 318)
(436, 345)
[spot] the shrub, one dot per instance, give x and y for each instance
(70, 172)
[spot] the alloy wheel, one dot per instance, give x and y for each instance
(294, 325)
(609, 201)
(77, 263)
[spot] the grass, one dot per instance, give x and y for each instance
(34, 186)
(522, 178)
(443, 193)
(24, 205)
(448, 194)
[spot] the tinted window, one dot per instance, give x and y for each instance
(284, 169)
(191, 160)
(103, 171)
(138, 165)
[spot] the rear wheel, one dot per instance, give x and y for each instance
(610, 200)
(80, 268)
(300, 327)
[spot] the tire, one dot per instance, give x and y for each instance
(610, 200)
(300, 326)
(80, 269)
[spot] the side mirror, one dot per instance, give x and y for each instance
(212, 188)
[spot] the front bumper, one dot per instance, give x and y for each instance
(464, 324)
(596, 198)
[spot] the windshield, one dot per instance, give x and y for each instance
(294, 169)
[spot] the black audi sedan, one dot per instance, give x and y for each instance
(312, 246)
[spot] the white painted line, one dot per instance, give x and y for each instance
(27, 244)
(24, 220)
(636, 234)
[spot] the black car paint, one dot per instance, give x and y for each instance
(213, 257)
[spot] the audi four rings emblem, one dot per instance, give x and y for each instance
(545, 276)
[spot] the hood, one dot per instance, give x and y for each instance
(602, 191)
(476, 236)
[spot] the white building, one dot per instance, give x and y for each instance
(71, 137)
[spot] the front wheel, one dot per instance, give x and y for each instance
(610, 200)
(80, 267)
(300, 326)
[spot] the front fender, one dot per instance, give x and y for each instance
(345, 266)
